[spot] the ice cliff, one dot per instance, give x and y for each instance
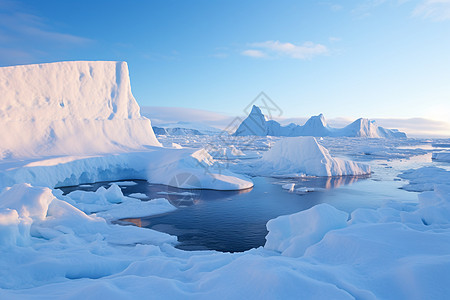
(67, 108)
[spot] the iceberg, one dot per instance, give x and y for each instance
(84, 125)
(304, 156)
(258, 124)
(70, 108)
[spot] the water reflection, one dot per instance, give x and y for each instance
(187, 197)
(324, 182)
(229, 220)
(136, 222)
(236, 220)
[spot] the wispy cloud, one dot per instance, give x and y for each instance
(436, 10)
(276, 49)
(21, 25)
(254, 53)
(24, 37)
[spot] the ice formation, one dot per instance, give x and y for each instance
(257, 124)
(56, 246)
(304, 156)
(441, 156)
(70, 108)
(83, 125)
(51, 249)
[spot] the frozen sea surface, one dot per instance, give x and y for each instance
(234, 221)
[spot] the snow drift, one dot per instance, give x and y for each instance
(258, 124)
(304, 156)
(68, 108)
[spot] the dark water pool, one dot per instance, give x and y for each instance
(236, 220)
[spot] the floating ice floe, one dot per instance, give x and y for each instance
(425, 178)
(138, 196)
(288, 186)
(441, 156)
(124, 183)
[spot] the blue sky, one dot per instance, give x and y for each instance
(375, 59)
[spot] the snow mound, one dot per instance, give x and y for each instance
(291, 235)
(69, 108)
(303, 155)
(257, 124)
(49, 239)
(111, 204)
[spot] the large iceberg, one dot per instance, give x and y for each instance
(68, 108)
(68, 123)
(259, 125)
(304, 156)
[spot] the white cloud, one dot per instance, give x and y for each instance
(253, 53)
(276, 48)
(436, 10)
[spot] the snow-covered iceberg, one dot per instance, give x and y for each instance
(70, 108)
(259, 125)
(68, 123)
(304, 156)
